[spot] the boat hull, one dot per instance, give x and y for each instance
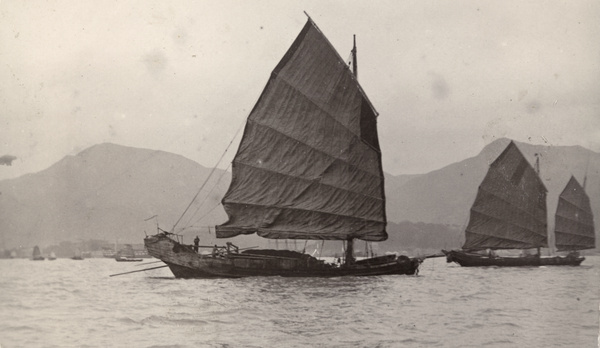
(185, 263)
(475, 260)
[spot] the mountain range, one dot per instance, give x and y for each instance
(113, 192)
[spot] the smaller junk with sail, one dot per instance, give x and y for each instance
(510, 212)
(574, 221)
(308, 167)
(37, 254)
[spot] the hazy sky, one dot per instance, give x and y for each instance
(447, 77)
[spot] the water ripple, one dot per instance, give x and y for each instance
(76, 304)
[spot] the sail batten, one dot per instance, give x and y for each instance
(353, 159)
(509, 211)
(357, 191)
(341, 60)
(502, 210)
(309, 164)
(327, 112)
(574, 220)
(315, 211)
(500, 243)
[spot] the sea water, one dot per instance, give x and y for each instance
(68, 303)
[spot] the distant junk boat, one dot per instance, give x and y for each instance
(510, 212)
(574, 220)
(37, 254)
(78, 256)
(308, 167)
(127, 254)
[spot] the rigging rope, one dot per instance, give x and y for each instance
(189, 222)
(207, 178)
(202, 217)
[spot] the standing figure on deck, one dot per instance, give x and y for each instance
(196, 243)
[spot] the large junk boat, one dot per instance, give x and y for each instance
(308, 167)
(510, 212)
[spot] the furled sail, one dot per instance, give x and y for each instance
(309, 164)
(510, 208)
(574, 224)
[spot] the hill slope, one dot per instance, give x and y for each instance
(108, 191)
(104, 192)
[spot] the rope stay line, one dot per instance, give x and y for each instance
(189, 222)
(207, 178)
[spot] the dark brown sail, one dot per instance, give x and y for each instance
(309, 163)
(510, 208)
(574, 224)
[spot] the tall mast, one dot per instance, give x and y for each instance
(354, 59)
(349, 257)
(537, 171)
(586, 171)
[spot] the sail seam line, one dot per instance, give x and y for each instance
(312, 147)
(585, 246)
(317, 150)
(501, 238)
(306, 210)
(577, 207)
(510, 224)
(362, 92)
(504, 153)
(309, 180)
(574, 205)
(509, 203)
(280, 78)
(504, 238)
(306, 97)
(574, 234)
(578, 222)
(301, 235)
